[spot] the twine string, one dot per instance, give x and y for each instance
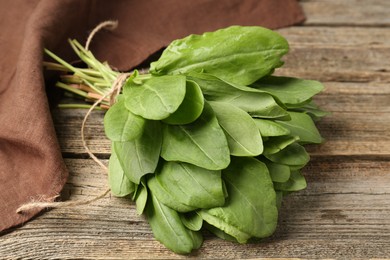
(115, 90)
(108, 25)
(113, 93)
(59, 204)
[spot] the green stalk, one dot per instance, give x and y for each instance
(63, 63)
(76, 71)
(84, 106)
(103, 85)
(98, 76)
(54, 66)
(93, 87)
(70, 89)
(90, 72)
(71, 79)
(88, 58)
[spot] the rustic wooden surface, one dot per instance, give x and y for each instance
(344, 212)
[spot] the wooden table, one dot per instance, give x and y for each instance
(344, 212)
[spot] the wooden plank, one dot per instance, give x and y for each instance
(344, 213)
(347, 12)
(337, 54)
(332, 63)
(68, 127)
(360, 117)
(337, 36)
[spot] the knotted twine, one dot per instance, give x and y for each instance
(112, 94)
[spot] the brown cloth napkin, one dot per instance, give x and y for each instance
(31, 165)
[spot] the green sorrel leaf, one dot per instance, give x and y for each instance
(120, 185)
(191, 185)
(192, 220)
(256, 103)
(250, 210)
(270, 128)
(201, 143)
(219, 233)
(312, 110)
(168, 228)
(141, 198)
(277, 171)
(278, 143)
(155, 98)
(191, 107)
(302, 125)
(241, 132)
(293, 154)
(240, 55)
(289, 90)
(121, 125)
(140, 156)
(166, 197)
(296, 183)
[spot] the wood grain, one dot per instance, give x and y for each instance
(338, 54)
(345, 211)
(347, 12)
